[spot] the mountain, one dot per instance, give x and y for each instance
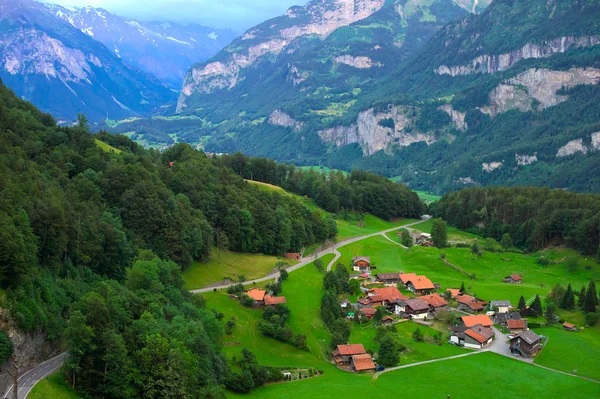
(163, 49)
(63, 71)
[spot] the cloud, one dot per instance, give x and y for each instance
(235, 14)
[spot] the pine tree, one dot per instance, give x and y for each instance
(590, 299)
(522, 306)
(536, 307)
(507, 241)
(462, 288)
(388, 353)
(581, 301)
(550, 314)
(439, 233)
(568, 299)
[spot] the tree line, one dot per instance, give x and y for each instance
(358, 191)
(533, 217)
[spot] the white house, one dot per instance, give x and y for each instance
(503, 306)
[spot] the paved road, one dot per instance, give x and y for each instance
(305, 261)
(35, 375)
(338, 255)
(425, 362)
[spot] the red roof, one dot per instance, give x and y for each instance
(516, 277)
(387, 318)
(465, 299)
(257, 294)
(388, 293)
(369, 311)
(475, 336)
(482, 319)
(353, 349)
(363, 362)
(516, 324)
(568, 325)
(274, 300)
(434, 300)
(404, 277)
(455, 292)
(421, 283)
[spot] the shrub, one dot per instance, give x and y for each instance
(591, 318)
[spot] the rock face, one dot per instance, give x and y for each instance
(357, 62)
(540, 85)
(458, 118)
(319, 17)
(492, 166)
(497, 63)
(466, 181)
(164, 49)
(596, 140)
(373, 134)
(572, 147)
(279, 118)
(524, 160)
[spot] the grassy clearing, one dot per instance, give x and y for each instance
(454, 235)
(303, 291)
(371, 224)
(232, 265)
(573, 352)
(107, 148)
(427, 197)
(506, 378)
(269, 187)
(53, 387)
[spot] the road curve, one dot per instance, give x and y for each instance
(305, 261)
(28, 380)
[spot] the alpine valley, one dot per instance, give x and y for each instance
(441, 94)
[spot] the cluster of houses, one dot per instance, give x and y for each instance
(422, 239)
(353, 356)
(262, 299)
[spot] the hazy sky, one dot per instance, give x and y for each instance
(238, 15)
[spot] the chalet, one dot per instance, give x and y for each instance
(502, 306)
(257, 295)
(369, 312)
(389, 294)
(377, 300)
(293, 256)
(569, 327)
(387, 320)
(513, 279)
(421, 238)
(388, 278)
(416, 308)
(516, 326)
(526, 344)
(454, 292)
(363, 362)
(361, 264)
(470, 303)
(435, 301)
(344, 353)
(399, 307)
(478, 337)
(274, 300)
(480, 319)
(417, 284)
(502, 318)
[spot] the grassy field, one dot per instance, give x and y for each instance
(232, 265)
(107, 148)
(371, 224)
(454, 235)
(573, 352)
(460, 378)
(490, 268)
(53, 387)
(427, 197)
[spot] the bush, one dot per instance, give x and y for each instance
(246, 301)
(418, 335)
(543, 261)
(462, 245)
(6, 347)
(591, 318)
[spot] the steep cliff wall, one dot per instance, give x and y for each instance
(279, 118)
(497, 63)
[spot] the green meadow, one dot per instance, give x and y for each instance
(106, 147)
(233, 264)
(454, 235)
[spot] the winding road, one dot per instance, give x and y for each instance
(28, 380)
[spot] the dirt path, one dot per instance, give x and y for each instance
(425, 362)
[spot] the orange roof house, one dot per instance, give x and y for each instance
(513, 279)
(471, 321)
(455, 292)
(363, 362)
(418, 284)
(274, 300)
(435, 300)
(293, 256)
(368, 312)
(404, 277)
(257, 294)
(516, 324)
(470, 303)
(352, 349)
(389, 294)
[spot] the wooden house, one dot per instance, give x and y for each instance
(502, 306)
(362, 362)
(416, 308)
(526, 344)
(388, 278)
(293, 256)
(343, 353)
(274, 300)
(569, 326)
(257, 295)
(361, 264)
(513, 279)
(516, 326)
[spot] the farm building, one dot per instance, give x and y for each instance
(257, 295)
(516, 326)
(503, 318)
(513, 279)
(293, 256)
(363, 362)
(502, 306)
(481, 319)
(526, 344)
(569, 326)
(274, 300)
(344, 353)
(388, 278)
(469, 303)
(361, 264)
(369, 312)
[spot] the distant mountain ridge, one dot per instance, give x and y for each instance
(163, 49)
(64, 72)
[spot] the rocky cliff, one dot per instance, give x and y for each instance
(497, 63)
(537, 87)
(279, 118)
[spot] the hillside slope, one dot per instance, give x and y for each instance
(63, 71)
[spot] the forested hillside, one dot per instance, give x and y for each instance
(534, 217)
(93, 239)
